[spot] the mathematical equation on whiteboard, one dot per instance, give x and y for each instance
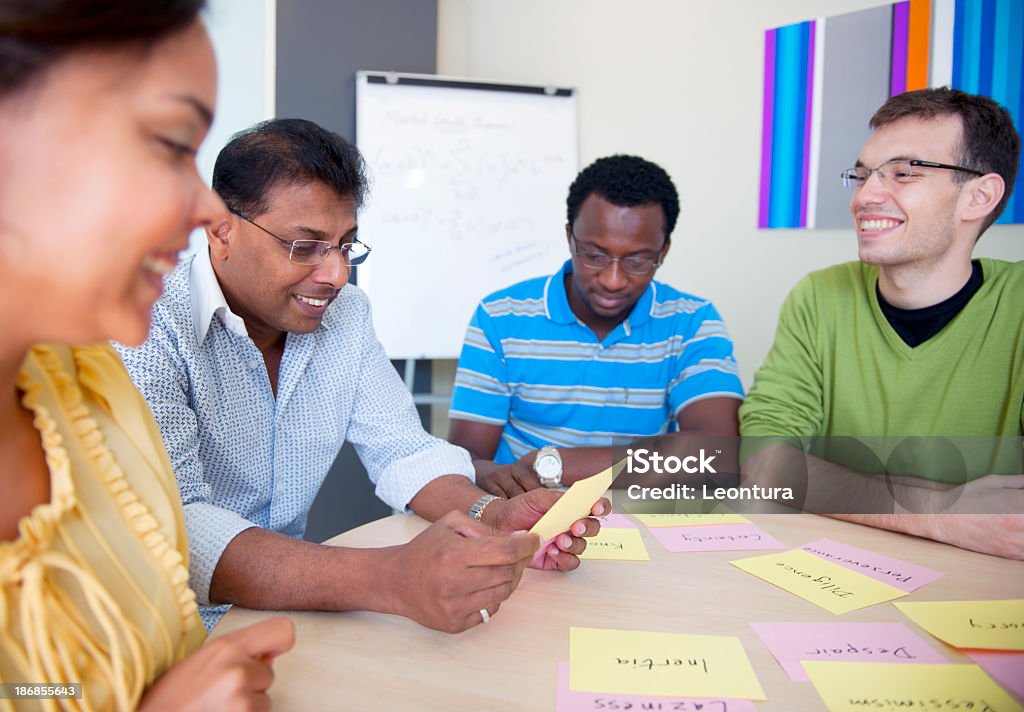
(465, 170)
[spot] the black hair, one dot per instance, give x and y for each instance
(284, 152)
(625, 181)
(36, 33)
(989, 143)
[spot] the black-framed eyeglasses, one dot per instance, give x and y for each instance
(899, 172)
(313, 252)
(597, 260)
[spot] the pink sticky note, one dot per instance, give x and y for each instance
(572, 701)
(616, 521)
(1006, 668)
(716, 537)
(792, 643)
(899, 574)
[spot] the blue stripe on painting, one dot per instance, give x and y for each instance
(1007, 45)
(788, 125)
(799, 217)
(968, 38)
(1018, 211)
(959, 23)
(986, 42)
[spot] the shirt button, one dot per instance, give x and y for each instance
(252, 365)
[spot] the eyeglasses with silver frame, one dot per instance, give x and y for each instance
(899, 171)
(313, 252)
(597, 260)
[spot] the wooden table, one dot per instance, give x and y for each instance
(368, 661)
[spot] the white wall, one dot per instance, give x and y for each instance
(243, 36)
(679, 82)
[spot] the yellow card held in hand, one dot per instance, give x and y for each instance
(574, 504)
(855, 687)
(991, 625)
(821, 582)
(616, 545)
(671, 664)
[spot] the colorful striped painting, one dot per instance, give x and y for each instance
(825, 77)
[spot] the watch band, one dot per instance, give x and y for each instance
(477, 510)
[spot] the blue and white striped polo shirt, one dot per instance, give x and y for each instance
(530, 365)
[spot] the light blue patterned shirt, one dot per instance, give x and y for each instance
(244, 458)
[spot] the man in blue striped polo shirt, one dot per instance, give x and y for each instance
(556, 371)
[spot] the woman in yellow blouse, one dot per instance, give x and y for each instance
(102, 108)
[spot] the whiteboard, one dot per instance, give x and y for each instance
(468, 183)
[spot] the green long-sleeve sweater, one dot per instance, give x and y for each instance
(837, 368)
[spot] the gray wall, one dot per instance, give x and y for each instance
(320, 46)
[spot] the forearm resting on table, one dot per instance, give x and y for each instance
(824, 487)
(986, 514)
(996, 534)
(266, 570)
(445, 494)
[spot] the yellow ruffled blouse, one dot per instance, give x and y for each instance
(95, 587)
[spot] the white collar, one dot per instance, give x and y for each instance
(208, 298)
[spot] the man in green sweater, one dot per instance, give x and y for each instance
(893, 395)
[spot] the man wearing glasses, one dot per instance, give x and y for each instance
(260, 365)
(902, 375)
(558, 373)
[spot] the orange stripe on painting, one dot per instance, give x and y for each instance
(918, 40)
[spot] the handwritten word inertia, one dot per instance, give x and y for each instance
(651, 664)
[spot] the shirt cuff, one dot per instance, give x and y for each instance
(402, 479)
(210, 530)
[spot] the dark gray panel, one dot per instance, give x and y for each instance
(855, 83)
(320, 46)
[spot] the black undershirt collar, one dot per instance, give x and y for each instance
(915, 326)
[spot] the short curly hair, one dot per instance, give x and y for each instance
(625, 181)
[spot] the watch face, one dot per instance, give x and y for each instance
(548, 466)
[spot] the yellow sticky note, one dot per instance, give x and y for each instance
(689, 520)
(993, 625)
(616, 545)
(855, 687)
(674, 664)
(574, 504)
(821, 582)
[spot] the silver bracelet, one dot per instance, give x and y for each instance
(477, 510)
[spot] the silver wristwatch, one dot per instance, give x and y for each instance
(548, 466)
